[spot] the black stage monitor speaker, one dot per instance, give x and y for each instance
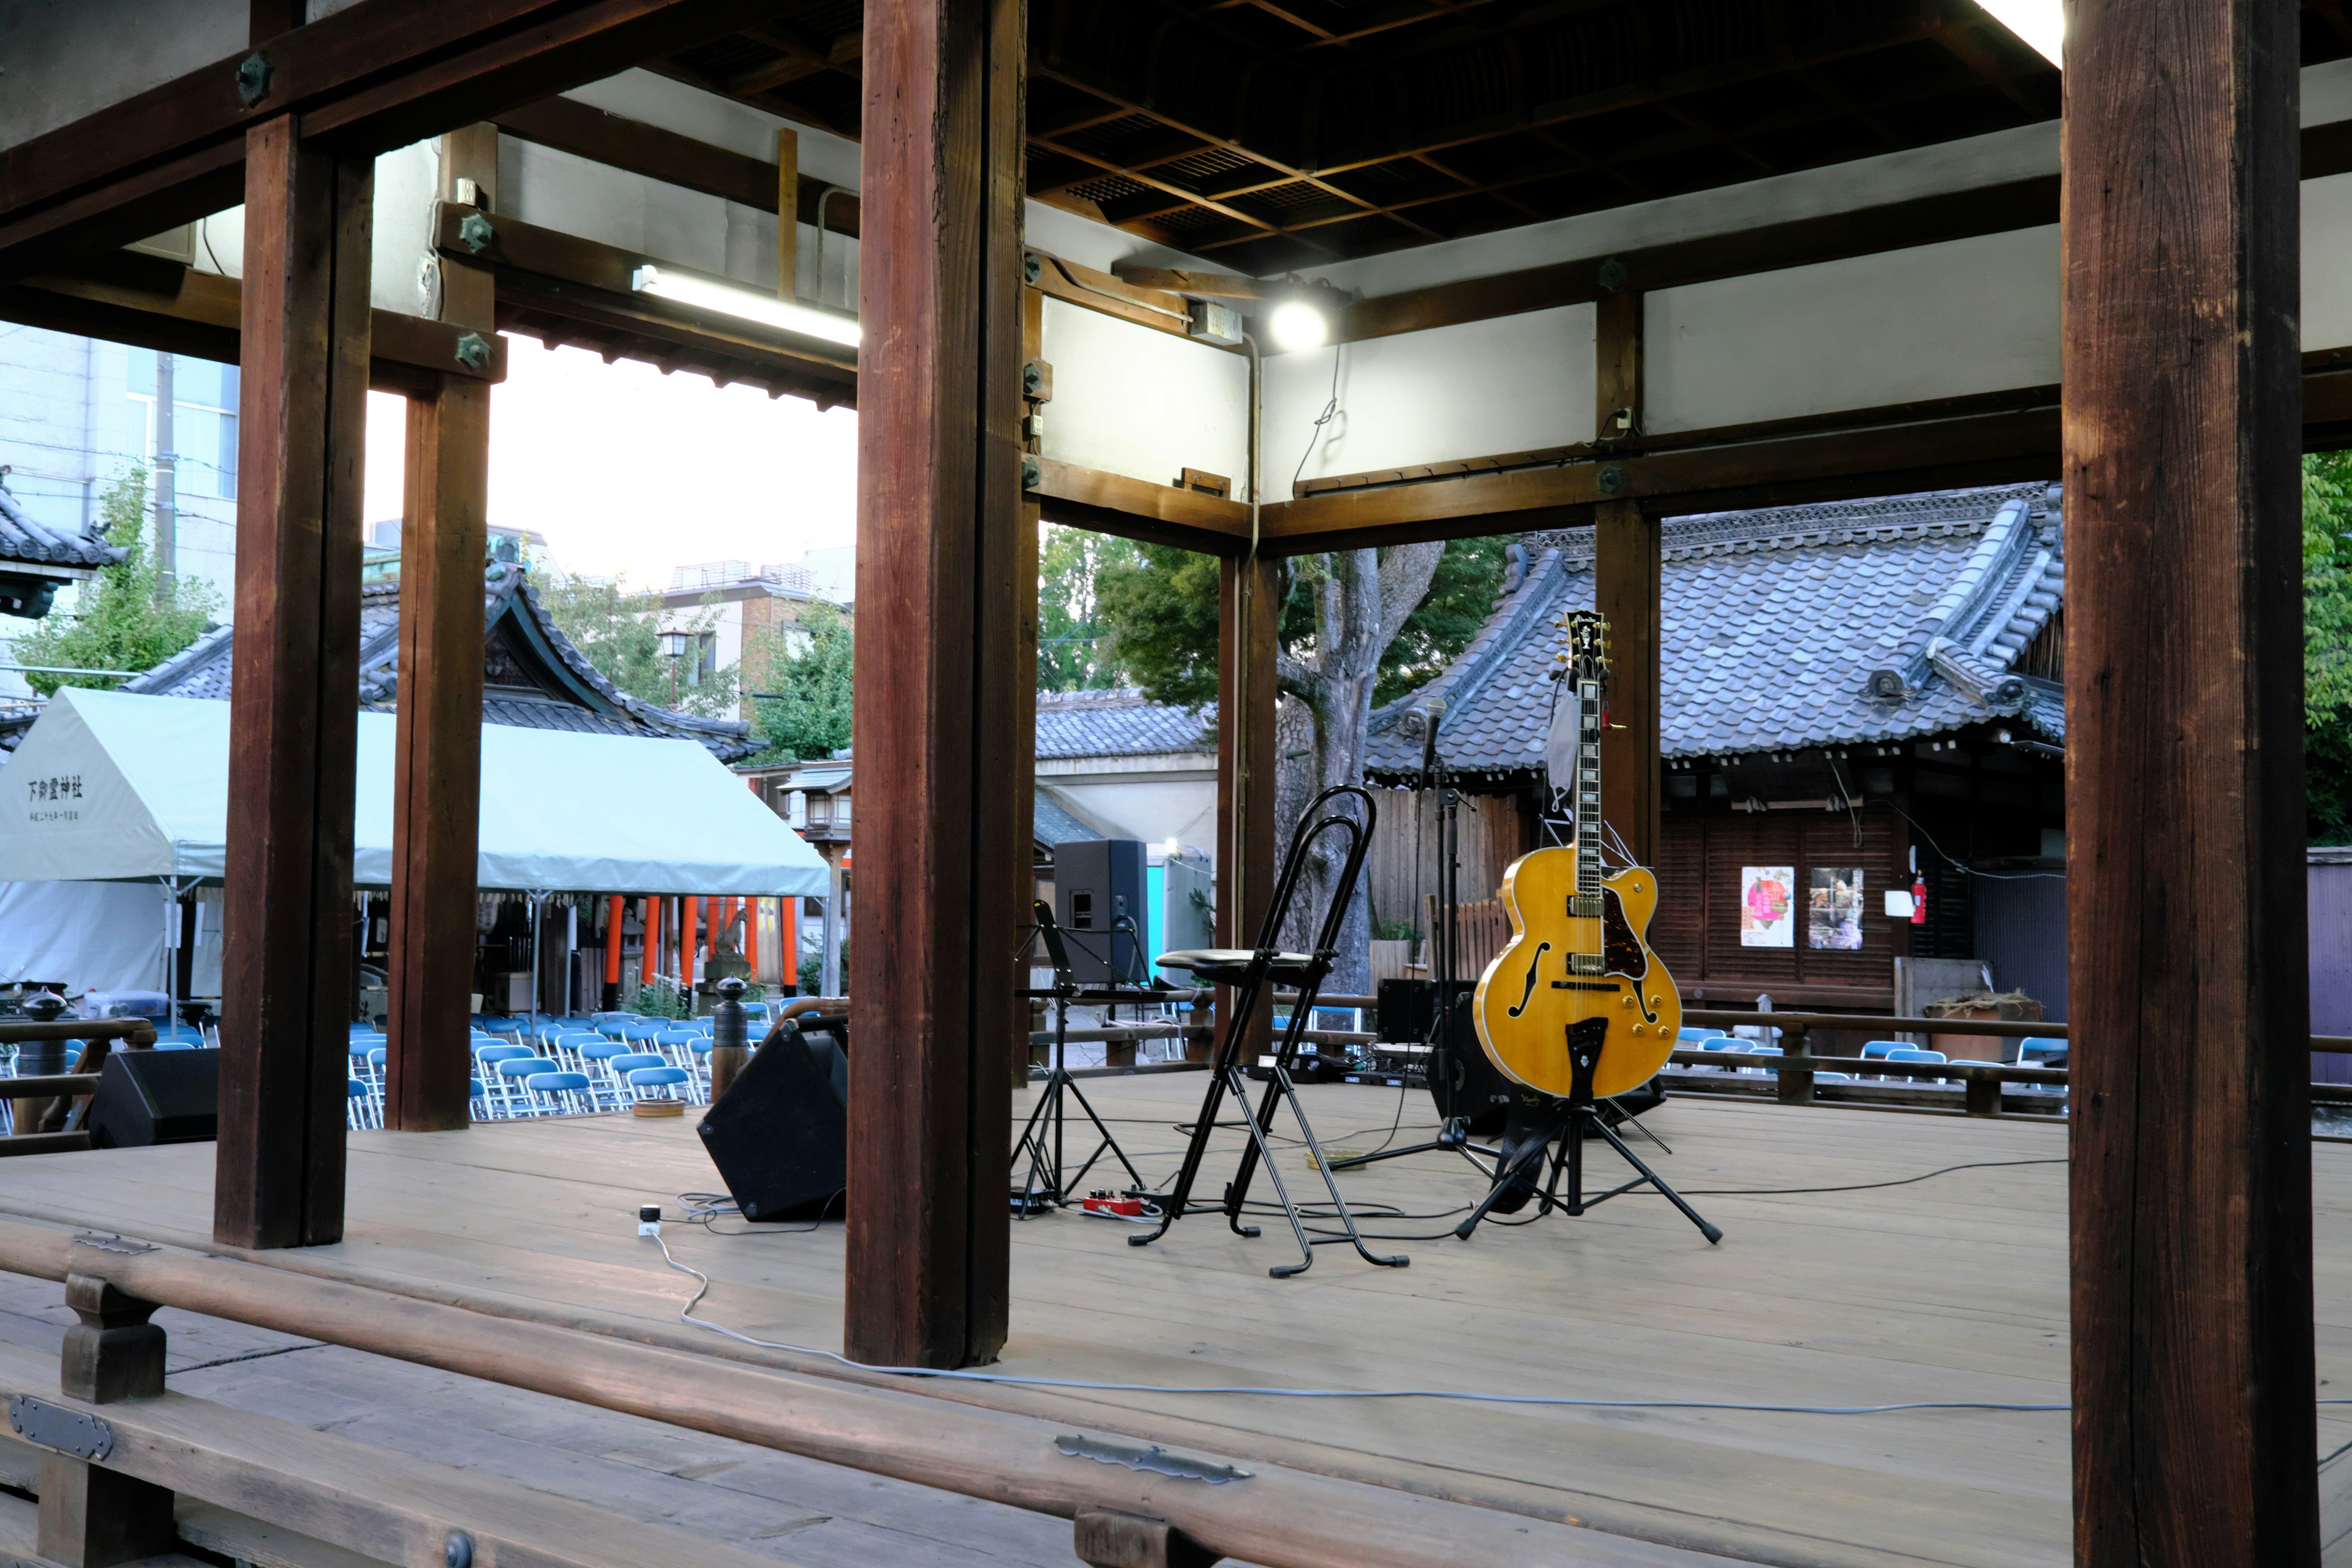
(1408, 1011)
(155, 1097)
(1098, 883)
(779, 1135)
(1463, 1081)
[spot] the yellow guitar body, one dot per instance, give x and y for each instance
(1535, 993)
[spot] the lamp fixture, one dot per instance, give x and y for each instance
(2040, 24)
(673, 645)
(1296, 325)
(746, 303)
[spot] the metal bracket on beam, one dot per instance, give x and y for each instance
(54, 1426)
(1156, 1460)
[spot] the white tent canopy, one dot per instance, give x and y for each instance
(111, 786)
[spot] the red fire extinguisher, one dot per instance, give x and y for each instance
(1918, 891)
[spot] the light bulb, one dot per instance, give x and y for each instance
(1296, 325)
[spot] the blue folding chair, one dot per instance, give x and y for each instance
(359, 1115)
(513, 1076)
(622, 1068)
(678, 1045)
(558, 1093)
(659, 1083)
(2038, 1050)
(1913, 1054)
(478, 1100)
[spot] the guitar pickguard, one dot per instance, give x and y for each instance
(1621, 950)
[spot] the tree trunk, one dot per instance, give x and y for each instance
(1362, 599)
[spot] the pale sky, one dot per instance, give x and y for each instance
(630, 472)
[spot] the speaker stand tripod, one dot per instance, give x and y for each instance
(1572, 1118)
(1051, 1181)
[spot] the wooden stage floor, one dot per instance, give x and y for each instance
(1948, 1288)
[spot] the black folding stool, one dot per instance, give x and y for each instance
(1249, 972)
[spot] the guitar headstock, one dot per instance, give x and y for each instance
(1587, 657)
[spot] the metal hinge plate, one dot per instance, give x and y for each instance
(1158, 1460)
(74, 1431)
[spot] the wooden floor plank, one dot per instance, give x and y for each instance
(1951, 1288)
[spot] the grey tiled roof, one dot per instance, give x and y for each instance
(1837, 624)
(1119, 724)
(27, 542)
(583, 700)
(1051, 822)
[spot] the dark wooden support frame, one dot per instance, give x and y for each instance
(438, 756)
(1628, 542)
(1249, 595)
(294, 702)
(2191, 1131)
(934, 924)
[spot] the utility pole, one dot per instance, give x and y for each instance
(167, 490)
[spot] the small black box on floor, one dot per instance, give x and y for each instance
(779, 1135)
(1098, 883)
(156, 1097)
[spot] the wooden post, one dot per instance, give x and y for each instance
(92, 1516)
(1248, 592)
(1626, 585)
(788, 945)
(437, 753)
(937, 705)
(613, 915)
(689, 945)
(2190, 1135)
(650, 951)
(788, 213)
(294, 703)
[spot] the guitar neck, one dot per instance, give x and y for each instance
(1587, 789)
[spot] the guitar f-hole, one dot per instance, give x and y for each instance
(1529, 990)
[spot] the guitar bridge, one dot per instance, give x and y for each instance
(1584, 906)
(1585, 964)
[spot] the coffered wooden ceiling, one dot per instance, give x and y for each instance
(1273, 135)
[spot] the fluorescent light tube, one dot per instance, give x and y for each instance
(749, 304)
(2039, 22)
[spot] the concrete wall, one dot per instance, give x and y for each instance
(1132, 400)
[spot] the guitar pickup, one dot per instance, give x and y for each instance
(1584, 906)
(1586, 964)
(1586, 986)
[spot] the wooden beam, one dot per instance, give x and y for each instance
(939, 549)
(617, 141)
(2191, 1172)
(788, 213)
(285, 978)
(1136, 509)
(177, 310)
(1249, 593)
(1098, 290)
(1628, 558)
(562, 274)
(1036, 393)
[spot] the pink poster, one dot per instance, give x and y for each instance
(1767, 906)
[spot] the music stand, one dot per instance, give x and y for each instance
(1444, 951)
(1250, 972)
(1049, 1180)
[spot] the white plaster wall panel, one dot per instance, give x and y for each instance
(1936, 320)
(721, 122)
(2327, 262)
(69, 59)
(405, 272)
(1132, 400)
(1467, 391)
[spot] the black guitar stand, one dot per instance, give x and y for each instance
(1567, 1122)
(1050, 1181)
(1250, 972)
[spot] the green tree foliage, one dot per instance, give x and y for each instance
(802, 708)
(619, 630)
(2327, 645)
(1158, 607)
(125, 618)
(1073, 642)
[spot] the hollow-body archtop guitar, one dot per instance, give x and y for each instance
(1579, 964)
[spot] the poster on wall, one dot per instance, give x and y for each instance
(1767, 906)
(1834, 916)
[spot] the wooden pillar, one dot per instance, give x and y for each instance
(788, 215)
(1249, 590)
(294, 705)
(649, 948)
(939, 411)
(689, 945)
(1626, 550)
(2190, 1132)
(613, 915)
(438, 754)
(788, 945)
